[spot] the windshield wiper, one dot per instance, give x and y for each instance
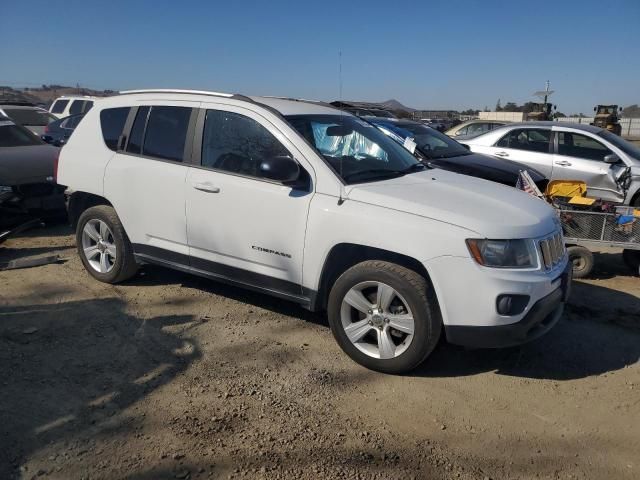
(416, 167)
(376, 173)
(448, 155)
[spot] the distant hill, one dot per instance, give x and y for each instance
(396, 105)
(47, 93)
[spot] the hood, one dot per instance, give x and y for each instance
(487, 167)
(486, 208)
(29, 164)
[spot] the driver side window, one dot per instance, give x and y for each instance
(237, 144)
(581, 146)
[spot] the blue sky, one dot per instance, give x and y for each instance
(427, 54)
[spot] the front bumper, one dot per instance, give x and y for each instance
(475, 322)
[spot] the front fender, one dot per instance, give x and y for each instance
(353, 222)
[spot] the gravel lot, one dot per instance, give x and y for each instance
(171, 376)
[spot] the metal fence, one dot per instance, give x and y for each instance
(630, 126)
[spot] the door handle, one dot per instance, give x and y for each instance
(206, 187)
(501, 154)
(563, 163)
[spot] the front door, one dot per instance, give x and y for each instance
(241, 226)
(581, 157)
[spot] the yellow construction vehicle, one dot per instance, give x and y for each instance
(607, 118)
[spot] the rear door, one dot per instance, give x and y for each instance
(145, 179)
(581, 157)
(531, 146)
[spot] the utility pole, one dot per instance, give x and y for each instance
(546, 91)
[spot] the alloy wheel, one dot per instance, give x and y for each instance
(99, 246)
(377, 320)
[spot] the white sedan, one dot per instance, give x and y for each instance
(570, 151)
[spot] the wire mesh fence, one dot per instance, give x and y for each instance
(620, 227)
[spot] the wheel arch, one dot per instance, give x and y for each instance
(79, 202)
(343, 256)
(635, 200)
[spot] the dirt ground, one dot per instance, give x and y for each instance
(172, 376)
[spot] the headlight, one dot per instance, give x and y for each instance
(503, 253)
(5, 189)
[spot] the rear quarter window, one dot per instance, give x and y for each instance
(112, 122)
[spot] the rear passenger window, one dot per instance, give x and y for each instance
(137, 132)
(112, 123)
(59, 106)
(166, 132)
(237, 144)
(530, 139)
(87, 106)
(76, 107)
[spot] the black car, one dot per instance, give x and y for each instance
(57, 133)
(440, 151)
(27, 171)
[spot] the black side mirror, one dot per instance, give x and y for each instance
(47, 138)
(281, 168)
(611, 158)
(466, 146)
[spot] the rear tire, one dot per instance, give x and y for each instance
(103, 245)
(582, 260)
(396, 323)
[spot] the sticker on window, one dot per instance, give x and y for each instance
(409, 144)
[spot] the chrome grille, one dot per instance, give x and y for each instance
(552, 249)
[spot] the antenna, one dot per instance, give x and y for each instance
(341, 199)
(340, 73)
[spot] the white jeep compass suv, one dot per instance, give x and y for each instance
(311, 204)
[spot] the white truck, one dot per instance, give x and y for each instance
(313, 205)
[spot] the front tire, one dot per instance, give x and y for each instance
(103, 245)
(384, 316)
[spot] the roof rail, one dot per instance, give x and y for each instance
(172, 90)
(302, 100)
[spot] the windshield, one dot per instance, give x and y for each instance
(627, 147)
(16, 136)
(30, 116)
(431, 143)
(355, 149)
